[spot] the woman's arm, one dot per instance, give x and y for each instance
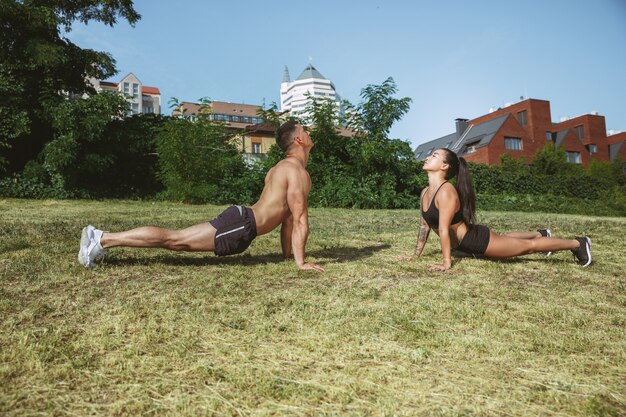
(422, 235)
(447, 201)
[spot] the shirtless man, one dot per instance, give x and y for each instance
(283, 201)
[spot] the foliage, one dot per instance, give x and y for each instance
(39, 68)
(513, 186)
(353, 171)
(198, 163)
(378, 110)
(552, 160)
(95, 153)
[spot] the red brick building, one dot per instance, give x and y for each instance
(524, 128)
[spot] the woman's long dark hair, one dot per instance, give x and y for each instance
(464, 186)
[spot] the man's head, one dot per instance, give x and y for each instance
(291, 131)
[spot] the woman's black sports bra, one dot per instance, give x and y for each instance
(431, 216)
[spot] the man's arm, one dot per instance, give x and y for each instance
(297, 202)
(285, 236)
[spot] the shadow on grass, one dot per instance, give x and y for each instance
(325, 256)
(13, 246)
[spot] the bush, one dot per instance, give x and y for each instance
(198, 164)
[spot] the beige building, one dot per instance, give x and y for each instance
(142, 98)
(250, 134)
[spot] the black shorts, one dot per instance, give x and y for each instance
(235, 230)
(475, 240)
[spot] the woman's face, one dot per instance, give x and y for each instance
(434, 161)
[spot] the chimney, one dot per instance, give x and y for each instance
(461, 126)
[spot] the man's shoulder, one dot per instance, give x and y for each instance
(287, 165)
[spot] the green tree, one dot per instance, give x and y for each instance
(550, 160)
(510, 164)
(350, 171)
(96, 152)
(198, 162)
(379, 110)
(39, 68)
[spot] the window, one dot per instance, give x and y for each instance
(417, 156)
(522, 118)
(429, 151)
(135, 90)
(593, 148)
(573, 157)
(448, 145)
(471, 147)
(548, 135)
(513, 144)
(256, 148)
(579, 131)
(126, 89)
(135, 108)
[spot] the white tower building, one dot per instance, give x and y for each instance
(293, 93)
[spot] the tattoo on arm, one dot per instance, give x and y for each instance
(422, 237)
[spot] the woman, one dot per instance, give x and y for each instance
(450, 210)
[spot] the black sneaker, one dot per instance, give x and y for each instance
(583, 253)
(546, 233)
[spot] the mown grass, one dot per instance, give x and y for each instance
(152, 332)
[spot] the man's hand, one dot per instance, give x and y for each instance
(308, 266)
(440, 267)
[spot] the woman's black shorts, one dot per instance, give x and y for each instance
(475, 240)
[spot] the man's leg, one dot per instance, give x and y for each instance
(200, 237)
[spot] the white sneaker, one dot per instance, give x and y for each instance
(90, 249)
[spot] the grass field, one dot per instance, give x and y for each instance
(151, 332)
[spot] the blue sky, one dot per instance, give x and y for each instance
(452, 58)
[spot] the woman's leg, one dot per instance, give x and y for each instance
(524, 235)
(200, 237)
(503, 246)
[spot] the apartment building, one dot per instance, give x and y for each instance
(142, 98)
(522, 129)
(249, 133)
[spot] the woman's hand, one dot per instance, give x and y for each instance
(440, 267)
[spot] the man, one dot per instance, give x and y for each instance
(283, 201)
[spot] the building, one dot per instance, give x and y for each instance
(142, 98)
(256, 141)
(617, 146)
(295, 94)
(248, 131)
(234, 115)
(522, 129)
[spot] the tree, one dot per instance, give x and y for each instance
(350, 171)
(379, 110)
(39, 68)
(198, 162)
(550, 160)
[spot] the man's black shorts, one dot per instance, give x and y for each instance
(236, 229)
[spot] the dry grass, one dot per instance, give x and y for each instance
(157, 333)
